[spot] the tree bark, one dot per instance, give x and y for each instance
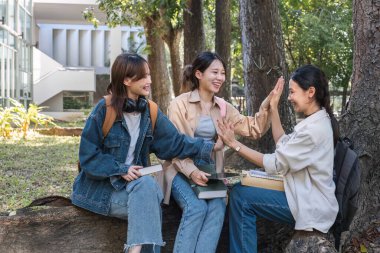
(54, 225)
(223, 42)
(157, 61)
(263, 60)
(344, 99)
(194, 35)
(173, 39)
(310, 242)
(361, 122)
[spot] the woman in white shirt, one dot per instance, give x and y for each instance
(304, 157)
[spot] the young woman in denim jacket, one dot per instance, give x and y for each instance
(110, 183)
(195, 113)
(305, 158)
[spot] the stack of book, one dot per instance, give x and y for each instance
(261, 179)
(215, 187)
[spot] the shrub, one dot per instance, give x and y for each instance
(21, 117)
(7, 117)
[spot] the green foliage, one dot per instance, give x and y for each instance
(134, 12)
(320, 33)
(19, 116)
(236, 45)
(134, 47)
(75, 103)
(6, 118)
(89, 15)
(209, 24)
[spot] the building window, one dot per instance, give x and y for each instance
(15, 51)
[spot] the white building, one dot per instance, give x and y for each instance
(15, 51)
(51, 56)
(69, 52)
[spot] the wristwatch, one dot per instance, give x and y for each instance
(237, 148)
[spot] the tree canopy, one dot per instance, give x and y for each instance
(319, 32)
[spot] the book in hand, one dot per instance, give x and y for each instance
(151, 169)
(215, 189)
(261, 179)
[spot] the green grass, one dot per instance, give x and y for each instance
(37, 167)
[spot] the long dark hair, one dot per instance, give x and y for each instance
(201, 62)
(126, 65)
(311, 76)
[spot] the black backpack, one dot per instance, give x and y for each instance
(347, 182)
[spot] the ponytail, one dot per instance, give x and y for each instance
(323, 97)
(188, 82)
(334, 121)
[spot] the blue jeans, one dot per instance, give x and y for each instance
(202, 220)
(140, 203)
(245, 204)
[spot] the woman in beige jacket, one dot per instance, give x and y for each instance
(195, 113)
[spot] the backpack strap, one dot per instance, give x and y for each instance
(110, 116)
(153, 111)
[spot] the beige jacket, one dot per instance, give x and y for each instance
(184, 112)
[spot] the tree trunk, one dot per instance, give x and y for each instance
(310, 242)
(194, 35)
(173, 39)
(361, 122)
(157, 61)
(54, 225)
(223, 42)
(344, 99)
(263, 60)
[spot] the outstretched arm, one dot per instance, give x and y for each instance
(277, 130)
(228, 137)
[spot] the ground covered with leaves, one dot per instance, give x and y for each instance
(36, 167)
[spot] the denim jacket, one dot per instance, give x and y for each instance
(103, 159)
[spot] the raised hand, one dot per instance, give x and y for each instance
(276, 93)
(226, 132)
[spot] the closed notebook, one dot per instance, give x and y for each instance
(261, 179)
(150, 170)
(214, 189)
(228, 178)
